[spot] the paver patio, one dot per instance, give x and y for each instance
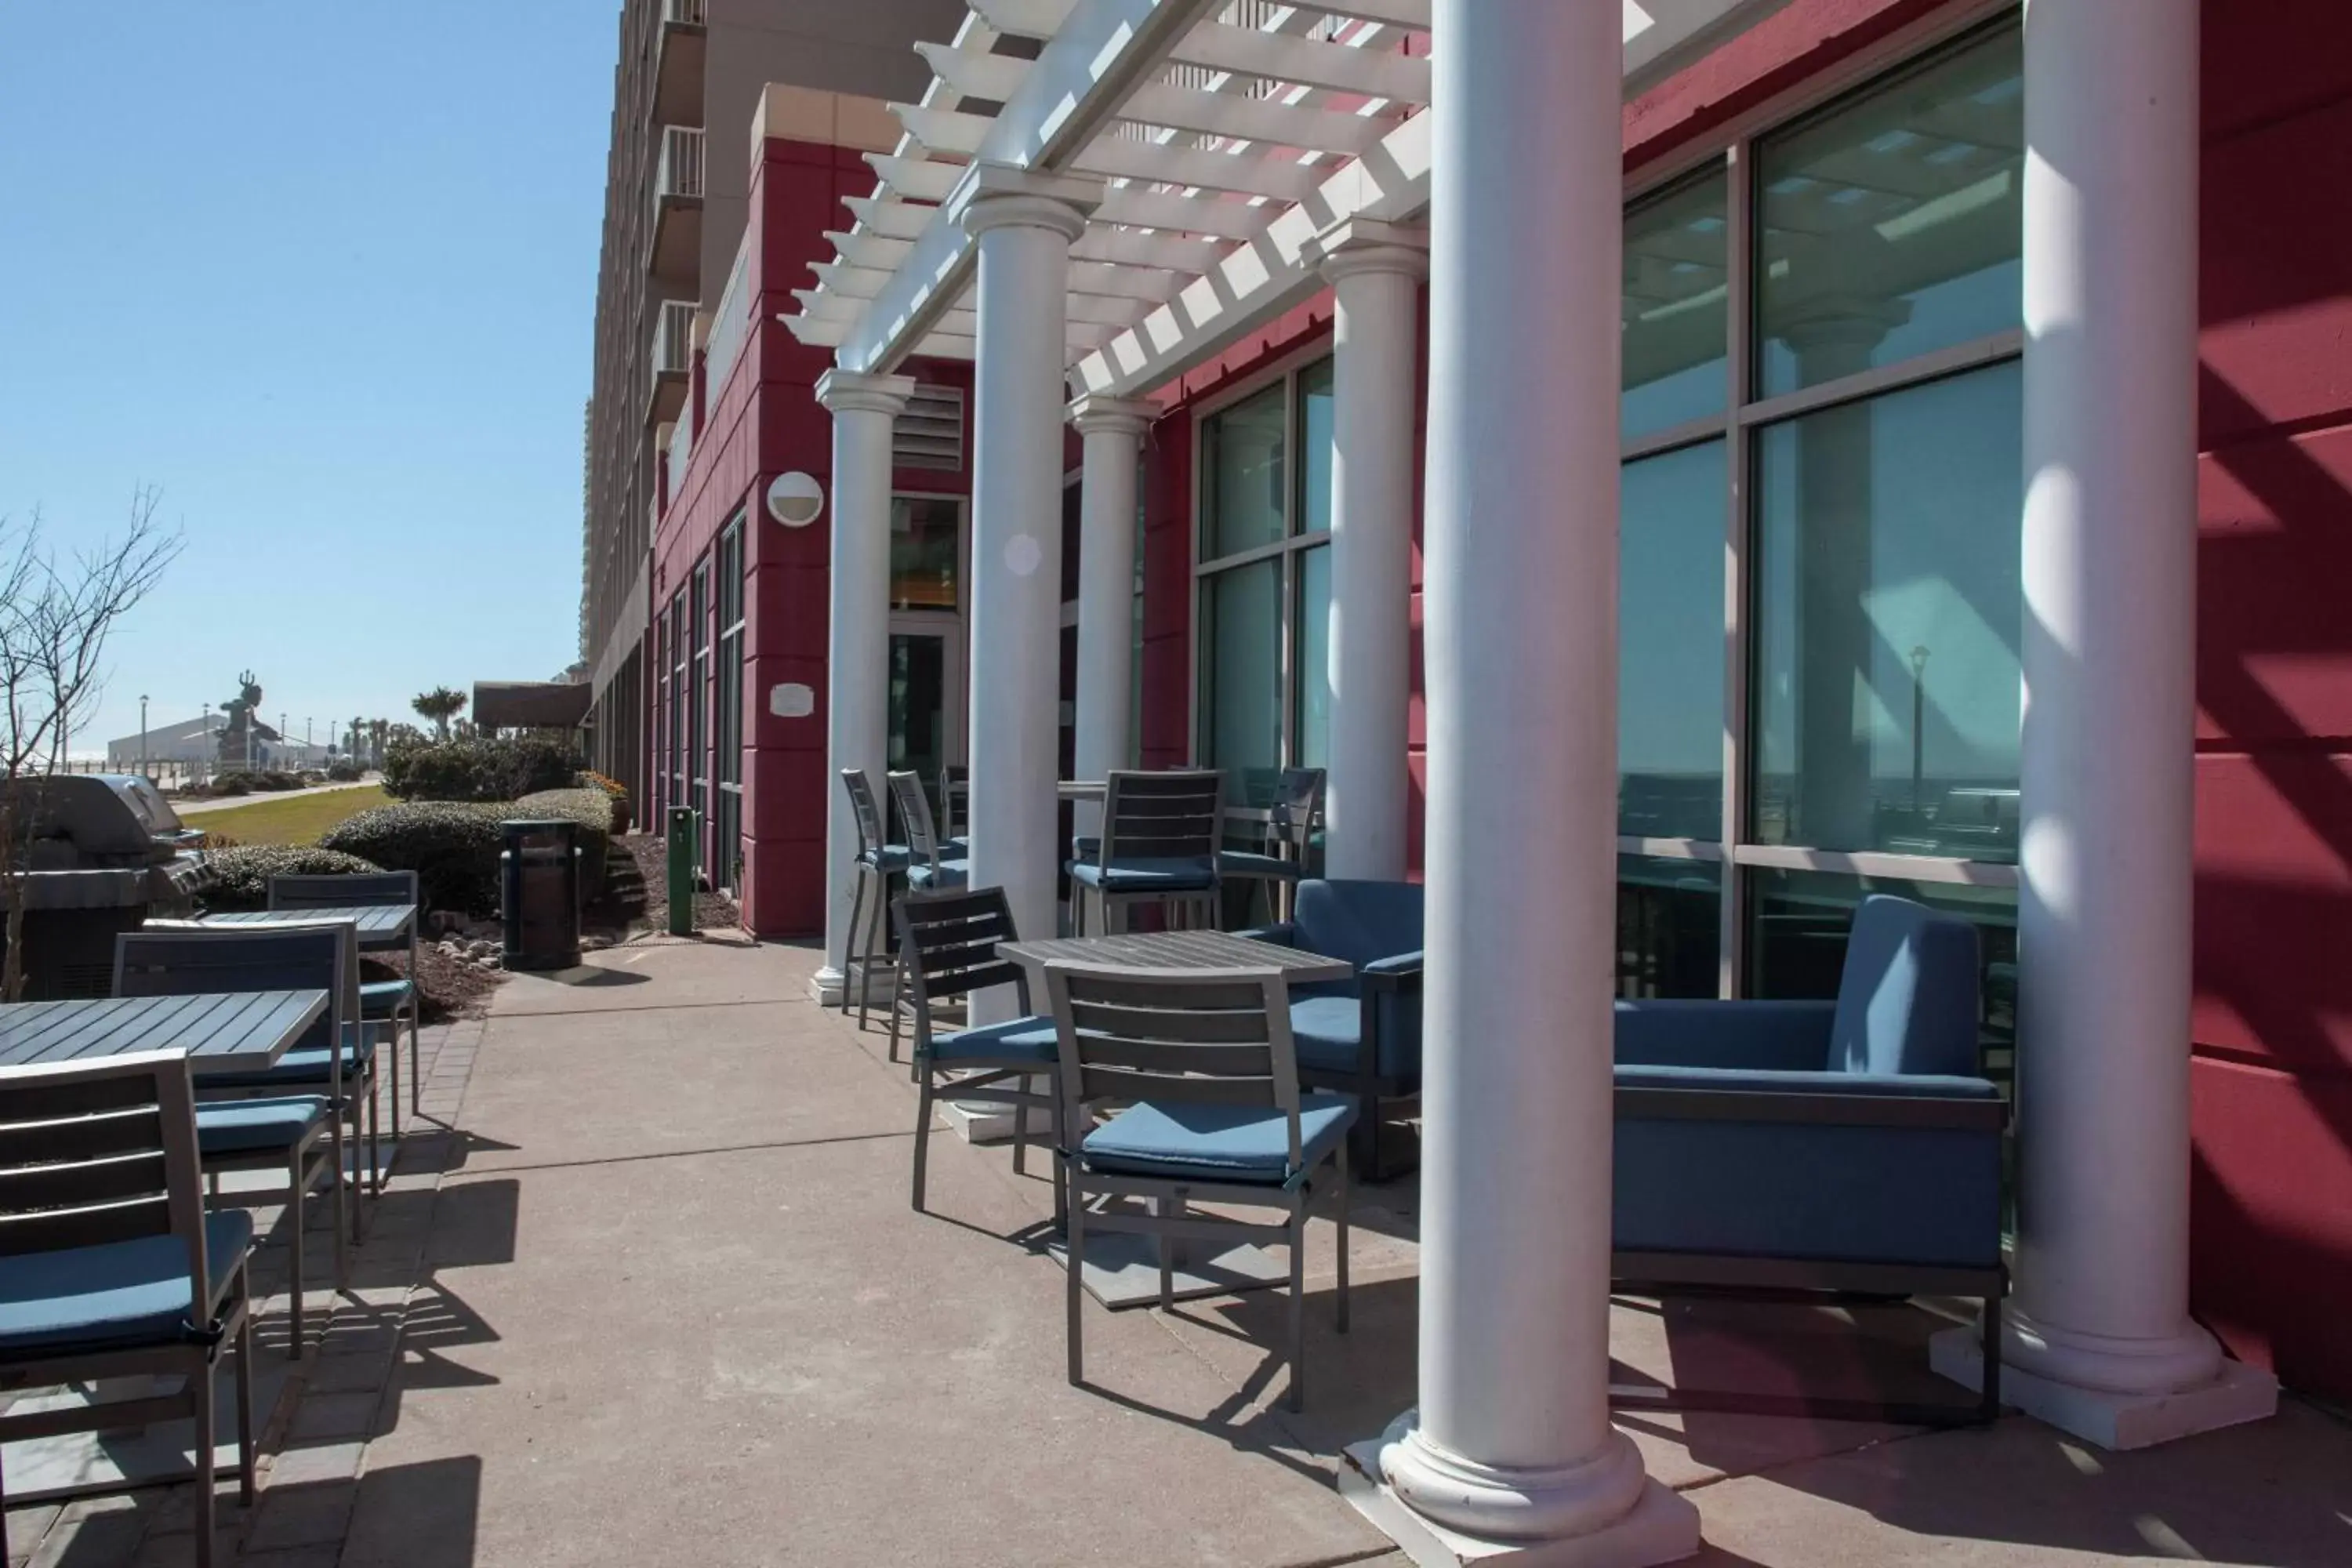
(662, 1300)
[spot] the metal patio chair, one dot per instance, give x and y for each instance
(381, 1001)
(947, 948)
(1294, 820)
(1202, 1061)
(875, 863)
(111, 1268)
(1160, 836)
(257, 1121)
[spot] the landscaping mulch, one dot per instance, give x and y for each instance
(712, 911)
(453, 988)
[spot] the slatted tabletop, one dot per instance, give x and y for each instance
(1177, 950)
(242, 1031)
(380, 925)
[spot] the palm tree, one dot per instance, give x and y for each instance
(440, 705)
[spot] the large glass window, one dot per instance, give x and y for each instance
(1677, 267)
(1266, 584)
(727, 808)
(926, 549)
(1887, 612)
(1669, 645)
(1890, 225)
(1818, 596)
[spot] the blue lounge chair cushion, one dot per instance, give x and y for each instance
(122, 1294)
(1908, 998)
(309, 1066)
(1327, 1032)
(1016, 1039)
(937, 879)
(1362, 921)
(254, 1126)
(379, 998)
(1221, 1142)
(1147, 874)
(1251, 863)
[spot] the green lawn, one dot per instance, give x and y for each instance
(296, 821)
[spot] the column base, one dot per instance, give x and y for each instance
(826, 985)
(2235, 1395)
(986, 1123)
(1652, 1525)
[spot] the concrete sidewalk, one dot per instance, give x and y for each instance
(662, 1300)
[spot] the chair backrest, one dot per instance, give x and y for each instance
(946, 947)
(1907, 1001)
(1208, 1036)
(306, 891)
(915, 814)
(100, 1151)
(203, 961)
(1358, 920)
(955, 788)
(1297, 813)
(1174, 816)
(864, 808)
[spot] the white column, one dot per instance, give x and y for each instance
(1375, 273)
(2099, 1333)
(1512, 1439)
(1024, 240)
(857, 645)
(1111, 430)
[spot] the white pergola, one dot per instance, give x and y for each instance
(1096, 195)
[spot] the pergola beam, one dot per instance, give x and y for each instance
(1336, 67)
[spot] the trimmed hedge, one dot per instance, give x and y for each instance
(598, 815)
(479, 769)
(452, 846)
(342, 772)
(241, 874)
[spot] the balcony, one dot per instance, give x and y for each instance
(676, 251)
(673, 361)
(678, 64)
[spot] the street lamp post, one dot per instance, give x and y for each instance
(142, 734)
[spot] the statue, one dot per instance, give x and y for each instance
(241, 738)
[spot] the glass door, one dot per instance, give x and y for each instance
(926, 706)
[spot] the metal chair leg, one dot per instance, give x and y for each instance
(849, 942)
(300, 1178)
(922, 1138)
(1074, 1286)
(873, 950)
(200, 1395)
(1341, 1166)
(1297, 1302)
(245, 1443)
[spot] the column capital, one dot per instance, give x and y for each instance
(1358, 245)
(998, 195)
(1112, 415)
(854, 392)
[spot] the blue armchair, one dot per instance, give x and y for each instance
(1851, 1145)
(1360, 1037)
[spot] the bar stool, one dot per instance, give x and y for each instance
(877, 862)
(1293, 819)
(1160, 841)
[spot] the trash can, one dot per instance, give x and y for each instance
(539, 874)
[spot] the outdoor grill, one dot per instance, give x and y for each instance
(101, 853)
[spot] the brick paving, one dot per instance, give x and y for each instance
(314, 1444)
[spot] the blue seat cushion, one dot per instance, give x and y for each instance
(380, 998)
(115, 1295)
(255, 1126)
(309, 1067)
(1251, 863)
(1218, 1143)
(888, 857)
(1180, 874)
(1327, 1027)
(937, 879)
(1016, 1039)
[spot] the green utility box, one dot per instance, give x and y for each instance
(685, 840)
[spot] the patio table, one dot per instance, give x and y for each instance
(1123, 1267)
(381, 926)
(226, 1032)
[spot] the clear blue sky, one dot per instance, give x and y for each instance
(323, 273)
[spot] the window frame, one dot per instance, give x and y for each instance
(1744, 416)
(732, 574)
(1294, 543)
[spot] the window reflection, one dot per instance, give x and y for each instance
(1241, 697)
(1669, 645)
(1314, 663)
(1887, 611)
(1315, 447)
(925, 542)
(1242, 462)
(1891, 226)
(1669, 938)
(1675, 308)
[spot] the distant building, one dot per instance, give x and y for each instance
(198, 740)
